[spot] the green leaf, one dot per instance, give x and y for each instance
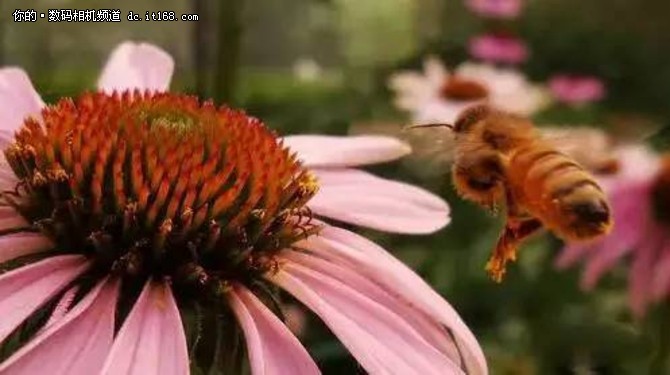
(661, 140)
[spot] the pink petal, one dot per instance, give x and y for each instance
(19, 244)
(577, 89)
(435, 72)
(140, 66)
(151, 340)
(498, 49)
(642, 272)
(62, 307)
(332, 151)
(13, 222)
(504, 9)
(376, 336)
(661, 282)
(430, 330)
(25, 289)
(272, 348)
(18, 99)
(413, 89)
(76, 344)
(377, 264)
(572, 253)
(8, 179)
(361, 198)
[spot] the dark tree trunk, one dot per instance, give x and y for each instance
(228, 50)
(200, 43)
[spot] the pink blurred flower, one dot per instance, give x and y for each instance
(505, 9)
(386, 315)
(498, 49)
(577, 90)
(638, 194)
(439, 95)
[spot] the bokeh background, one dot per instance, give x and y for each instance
(322, 66)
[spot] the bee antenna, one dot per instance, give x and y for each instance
(432, 125)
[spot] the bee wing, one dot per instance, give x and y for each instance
(432, 147)
(590, 147)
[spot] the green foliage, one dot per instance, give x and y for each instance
(661, 140)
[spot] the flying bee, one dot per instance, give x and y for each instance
(502, 158)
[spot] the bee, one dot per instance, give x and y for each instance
(501, 158)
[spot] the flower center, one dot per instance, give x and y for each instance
(460, 89)
(661, 191)
(161, 185)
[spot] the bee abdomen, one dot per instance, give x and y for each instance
(561, 192)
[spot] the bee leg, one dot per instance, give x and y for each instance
(515, 232)
(517, 229)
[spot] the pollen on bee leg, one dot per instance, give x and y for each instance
(515, 232)
(497, 264)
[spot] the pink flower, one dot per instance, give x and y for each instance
(576, 90)
(505, 9)
(639, 193)
(498, 49)
(439, 95)
(124, 209)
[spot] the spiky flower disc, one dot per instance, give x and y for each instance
(160, 185)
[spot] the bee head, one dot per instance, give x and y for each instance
(478, 177)
(471, 116)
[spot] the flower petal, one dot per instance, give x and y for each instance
(332, 151)
(661, 282)
(140, 66)
(272, 348)
(19, 100)
(435, 71)
(76, 344)
(8, 179)
(12, 221)
(377, 264)
(430, 330)
(62, 307)
(641, 275)
(380, 339)
(361, 198)
(412, 90)
(18, 244)
(151, 340)
(25, 289)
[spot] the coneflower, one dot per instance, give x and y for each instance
(131, 212)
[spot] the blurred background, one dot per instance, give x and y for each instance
(323, 66)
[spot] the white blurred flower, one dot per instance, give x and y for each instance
(307, 70)
(439, 95)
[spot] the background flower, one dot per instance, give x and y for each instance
(577, 90)
(505, 9)
(498, 49)
(440, 95)
(638, 233)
